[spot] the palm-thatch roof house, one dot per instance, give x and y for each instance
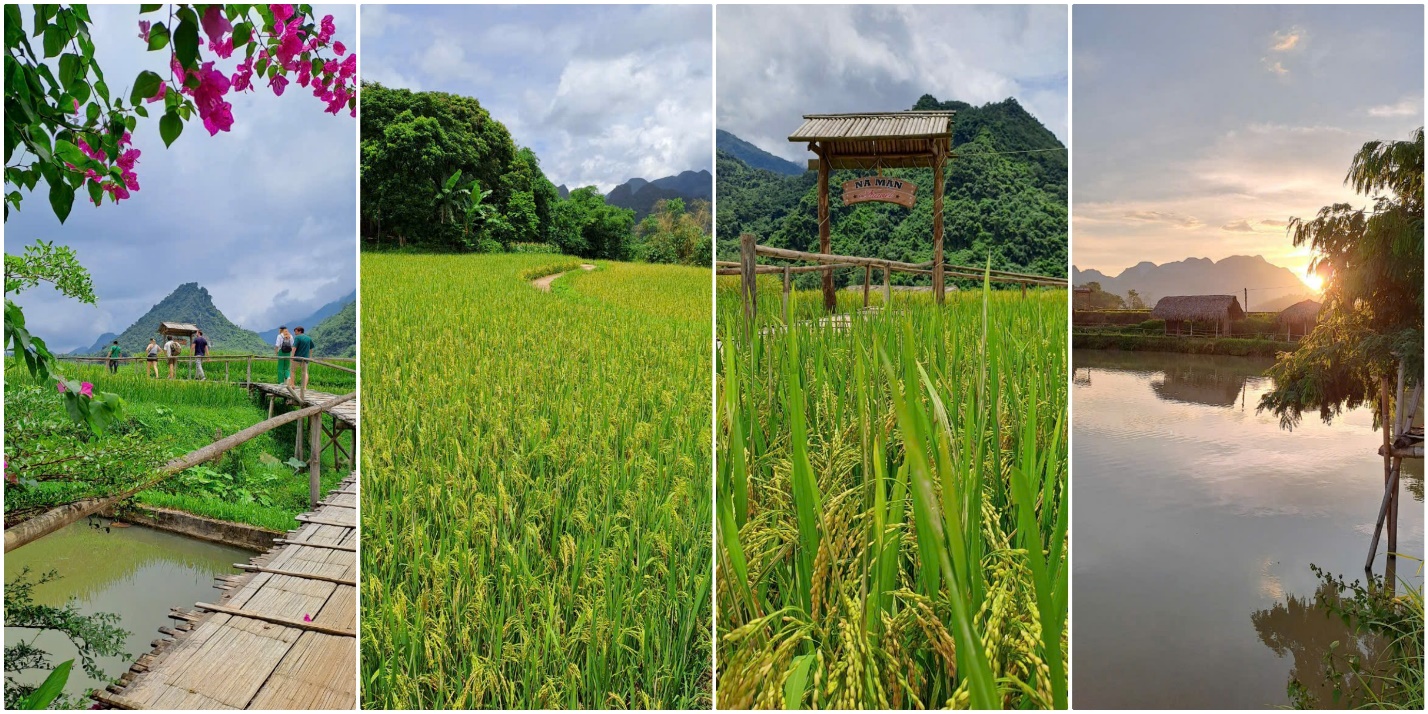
(180, 332)
(1203, 313)
(1299, 318)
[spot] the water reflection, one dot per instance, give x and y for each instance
(1322, 646)
(137, 573)
(1192, 512)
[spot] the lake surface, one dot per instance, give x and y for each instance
(1195, 521)
(137, 573)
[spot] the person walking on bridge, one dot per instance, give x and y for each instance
(152, 353)
(172, 350)
(200, 350)
(283, 347)
(302, 349)
(114, 353)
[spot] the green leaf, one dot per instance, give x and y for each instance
(50, 690)
(242, 32)
(61, 199)
(141, 111)
(69, 67)
(144, 9)
(54, 41)
(96, 193)
(186, 43)
(170, 126)
(797, 681)
(78, 90)
(145, 85)
(158, 37)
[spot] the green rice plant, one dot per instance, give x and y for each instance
(892, 494)
(537, 502)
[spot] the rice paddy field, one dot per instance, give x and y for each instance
(892, 503)
(537, 516)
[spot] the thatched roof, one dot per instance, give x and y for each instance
(1198, 307)
(1304, 311)
(908, 139)
(177, 328)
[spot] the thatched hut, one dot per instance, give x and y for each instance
(180, 332)
(1205, 313)
(1298, 318)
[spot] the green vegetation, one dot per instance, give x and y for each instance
(91, 636)
(536, 496)
(337, 335)
(55, 462)
(1372, 313)
(440, 174)
(1009, 205)
(1233, 346)
(892, 505)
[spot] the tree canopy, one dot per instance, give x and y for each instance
(1371, 317)
(439, 173)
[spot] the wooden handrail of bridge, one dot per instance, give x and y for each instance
(325, 361)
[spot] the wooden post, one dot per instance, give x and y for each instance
(297, 446)
(830, 300)
(225, 370)
(787, 288)
(867, 282)
(749, 277)
(271, 402)
(1023, 291)
(938, 279)
(314, 476)
(887, 288)
(250, 369)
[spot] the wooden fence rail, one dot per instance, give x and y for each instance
(749, 269)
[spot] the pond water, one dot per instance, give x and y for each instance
(1195, 521)
(137, 573)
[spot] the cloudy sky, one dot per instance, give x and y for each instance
(1199, 131)
(601, 93)
(263, 216)
(779, 62)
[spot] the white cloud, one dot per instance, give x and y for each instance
(1406, 107)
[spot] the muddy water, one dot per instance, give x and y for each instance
(137, 573)
(1195, 523)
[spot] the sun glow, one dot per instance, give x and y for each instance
(1314, 281)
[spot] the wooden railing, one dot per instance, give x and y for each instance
(749, 269)
(225, 360)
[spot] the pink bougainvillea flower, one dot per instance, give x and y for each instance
(304, 73)
(278, 83)
(281, 13)
(306, 617)
(76, 106)
(60, 386)
(144, 30)
(86, 389)
(325, 30)
(339, 48)
(215, 25)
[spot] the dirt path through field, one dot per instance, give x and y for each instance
(543, 283)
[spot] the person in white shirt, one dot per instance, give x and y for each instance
(283, 346)
(172, 350)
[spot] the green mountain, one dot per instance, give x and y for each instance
(311, 321)
(753, 156)
(191, 303)
(337, 335)
(1005, 194)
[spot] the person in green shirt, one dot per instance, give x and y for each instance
(114, 353)
(302, 349)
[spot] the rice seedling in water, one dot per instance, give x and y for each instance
(892, 505)
(536, 498)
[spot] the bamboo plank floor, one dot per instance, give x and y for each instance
(345, 412)
(219, 660)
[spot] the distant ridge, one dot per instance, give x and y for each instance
(187, 303)
(1271, 287)
(641, 196)
(753, 156)
(312, 320)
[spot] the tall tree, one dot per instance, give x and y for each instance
(1371, 259)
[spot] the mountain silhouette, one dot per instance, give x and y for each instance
(753, 156)
(1271, 287)
(189, 303)
(641, 195)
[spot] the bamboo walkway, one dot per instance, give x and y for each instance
(283, 636)
(345, 414)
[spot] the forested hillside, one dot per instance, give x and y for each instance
(1006, 194)
(439, 173)
(192, 304)
(336, 336)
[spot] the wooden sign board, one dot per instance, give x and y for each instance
(879, 188)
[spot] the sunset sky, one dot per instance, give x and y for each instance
(1199, 131)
